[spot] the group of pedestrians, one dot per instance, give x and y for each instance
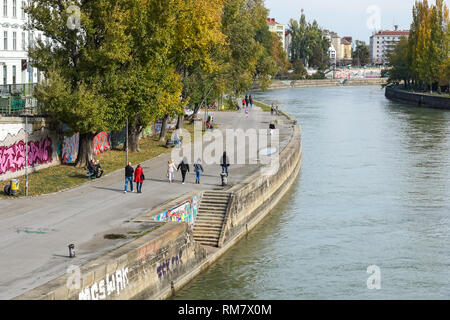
(274, 110)
(183, 167)
(248, 100)
(138, 177)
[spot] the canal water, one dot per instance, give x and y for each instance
(374, 190)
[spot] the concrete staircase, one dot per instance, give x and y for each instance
(210, 217)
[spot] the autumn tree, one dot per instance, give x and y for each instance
(76, 62)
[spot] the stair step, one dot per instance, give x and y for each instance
(213, 201)
(209, 243)
(207, 226)
(206, 234)
(206, 237)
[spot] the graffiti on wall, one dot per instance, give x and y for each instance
(169, 265)
(342, 74)
(70, 146)
(187, 212)
(106, 287)
(101, 143)
(12, 158)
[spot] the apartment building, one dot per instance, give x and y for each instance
(279, 29)
(15, 66)
(384, 41)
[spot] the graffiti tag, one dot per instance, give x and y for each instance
(102, 289)
(12, 158)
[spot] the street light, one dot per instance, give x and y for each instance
(26, 114)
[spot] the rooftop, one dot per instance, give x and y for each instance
(391, 33)
(271, 21)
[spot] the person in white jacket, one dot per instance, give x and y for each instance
(171, 168)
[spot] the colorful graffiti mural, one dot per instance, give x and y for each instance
(101, 143)
(70, 146)
(12, 158)
(186, 212)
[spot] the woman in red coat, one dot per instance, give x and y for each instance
(139, 178)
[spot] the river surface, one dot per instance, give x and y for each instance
(374, 190)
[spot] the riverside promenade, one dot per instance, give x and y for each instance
(35, 232)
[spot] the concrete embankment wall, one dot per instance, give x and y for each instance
(164, 260)
(417, 99)
(256, 196)
(143, 268)
(284, 84)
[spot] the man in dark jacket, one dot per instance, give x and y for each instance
(184, 167)
(129, 177)
(225, 163)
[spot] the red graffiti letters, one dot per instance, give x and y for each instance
(101, 143)
(12, 158)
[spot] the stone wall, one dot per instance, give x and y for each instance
(42, 146)
(256, 196)
(143, 269)
(284, 84)
(417, 99)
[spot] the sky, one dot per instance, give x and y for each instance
(355, 18)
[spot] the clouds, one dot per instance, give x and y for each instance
(349, 17)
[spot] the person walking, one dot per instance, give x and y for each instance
(225, 163)
(251, 101)
(171, 168)
(246, 112)
(246, 101)
(129, 177)
(198, 168)
(139, 178)
(243, 103)
(271, 109)
(184, 167)
(277, 110)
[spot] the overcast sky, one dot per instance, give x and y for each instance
(354, 18)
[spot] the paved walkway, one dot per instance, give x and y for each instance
(35, 232)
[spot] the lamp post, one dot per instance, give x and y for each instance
(26, 114)
(127, 142)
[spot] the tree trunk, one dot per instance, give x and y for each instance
(194, 115)
(164, 128)
(134, 130)
(180, 122)
(85, 149)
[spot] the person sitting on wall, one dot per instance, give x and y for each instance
(209, 125)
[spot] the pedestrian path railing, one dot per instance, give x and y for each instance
(16, 98)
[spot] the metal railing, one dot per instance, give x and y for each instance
(16, 98)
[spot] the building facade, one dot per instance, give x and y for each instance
(279, 29)
(15, 67)
(383, 42)
(340, 51)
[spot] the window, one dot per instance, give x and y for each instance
(14, 74)
(23, 41)
(5, 75)
(14, 8)
(5, 40)
(23, 9)
(5, 8)
(14, 40)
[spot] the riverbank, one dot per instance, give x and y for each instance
(159, 259)
(284, 84)
(417, 99)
